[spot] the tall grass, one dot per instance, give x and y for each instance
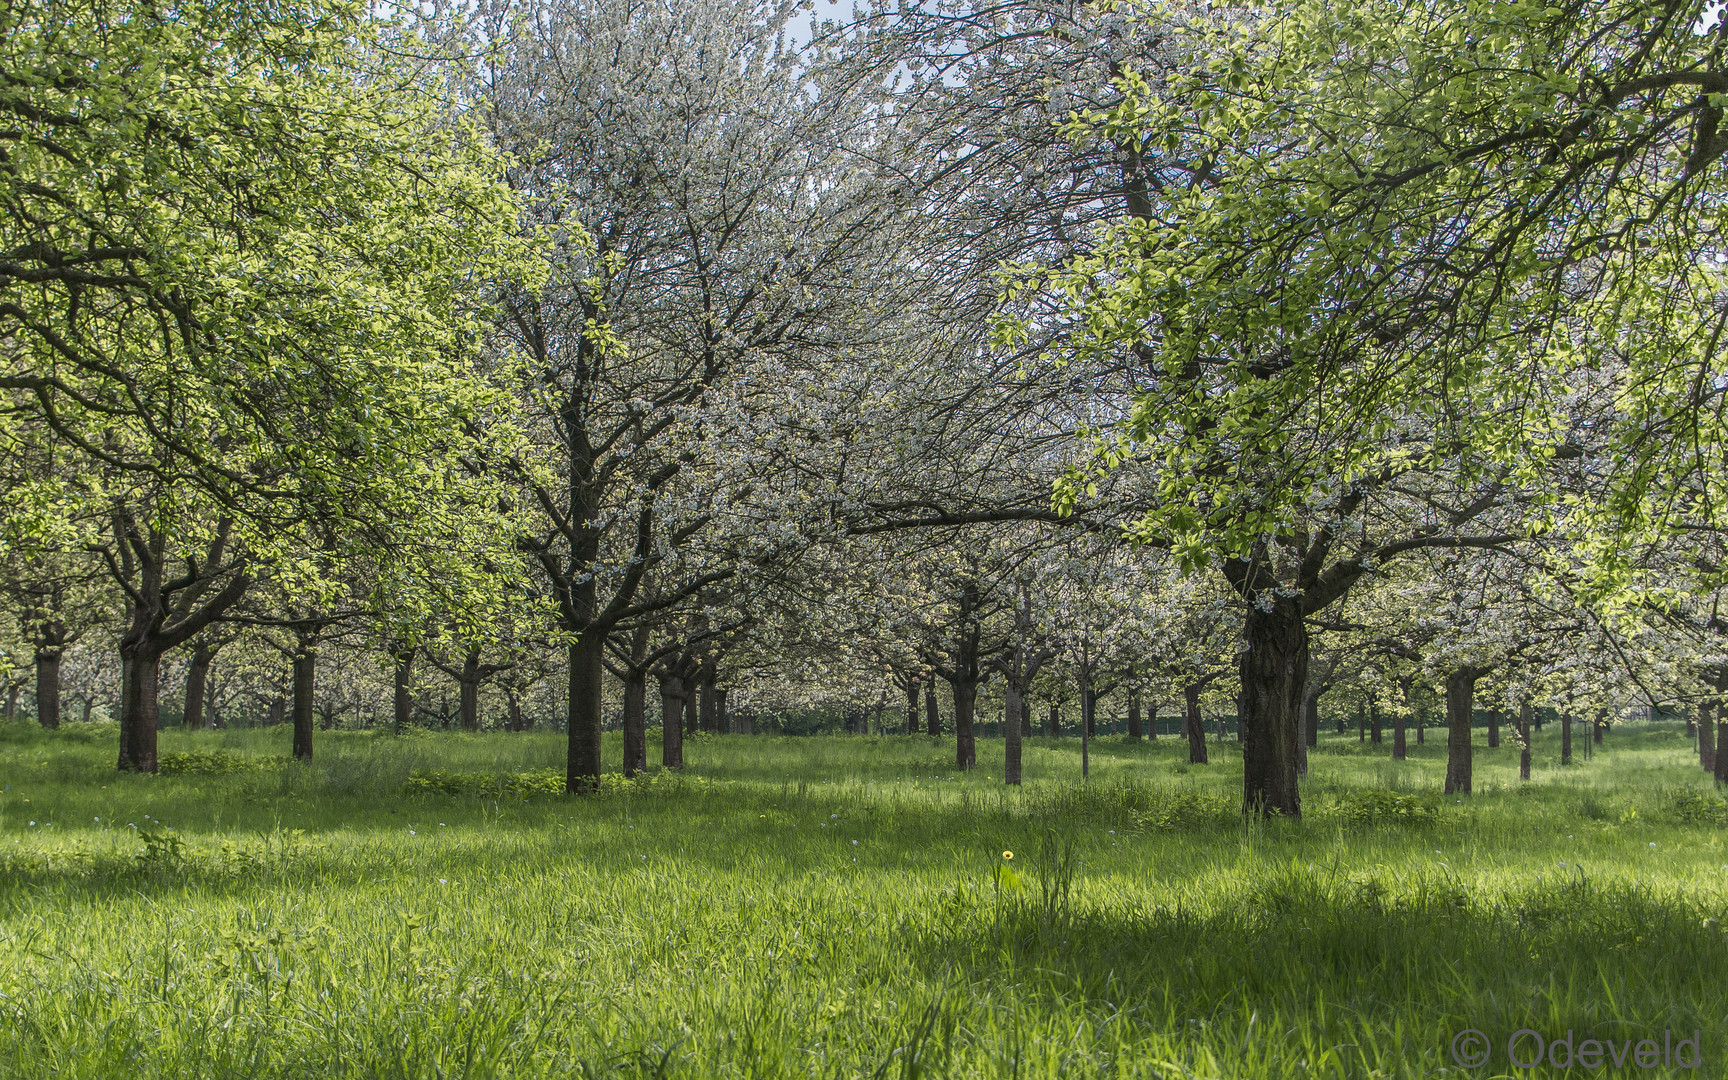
(833, 907)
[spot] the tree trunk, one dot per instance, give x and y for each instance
(1134, 731)
(587, 668)
(1400, 743)
(404, 670)
(1361, 723)
(514, 701)
(1493, 729)
(635, 721)
(912, 706)
(1192, 725)
(1088, 706)
(932, 717)
(692, 709)
(50, 642)
(1012, 701)
(197, 678)
(709, 717)
(1706, 739)
(1274, 671)
(1026, 715)
(671, 727)
(965, 745)
(722, 723)
(140, 668)
(1460, 704)
(1524, 740)
(305, 681)
(1721, 772)
(1566, 740)
(470, 698)
(1599, 725)
(1376, 725)
(1055, 719)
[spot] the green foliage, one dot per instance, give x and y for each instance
(1384, 808)
(1697, 808)
(212, 763)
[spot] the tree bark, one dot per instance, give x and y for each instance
(710, 717)
(587, 669)
(1566, 740)
(305, 681)
(1134, 731)
(933, 718)
(965, 744)
(1460, 704)
(635, 721)
(671, 726)
(692, 708)
(1012, 701)
(1376, 724)
(1192, 725)
(1524, 740)
(1598, 725)
(403, 675)
(1274, 671)
(912, 686)
(138, 708)
(50, 643)
(197, 678)
(514, 702)
(1026, 715)
(1400, 744)
(1055, 720)
(470, 690)
(1493, 729)
(1088, 706)
(1706, 739)
(1721, 772)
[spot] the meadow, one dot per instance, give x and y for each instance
(845, 907)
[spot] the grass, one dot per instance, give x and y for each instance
(835, 907)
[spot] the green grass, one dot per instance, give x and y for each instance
(831, 907)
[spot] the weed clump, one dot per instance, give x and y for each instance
(213, 763)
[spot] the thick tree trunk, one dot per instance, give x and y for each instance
(1274, 671)
(1598, 725)
(197, 678)
(1400, 743)
(50, 642)
(912, 706)
(1524, 740)
(403, 675)
(671, 715)
(1361, 723)
(722, 722)
(1192, 725)
(514, 703)
(1706, 739)
(1134, 731)
(635, 721)
(1376, 725)
(1566, 740)
(1493, 729)
(965, 745)
(140, 668)
(1026, 715)
(931, 716)
(1460, 704)
(1012, 700)
(1089, 712)
(710, 716)
(1055, 728)
(470, 698)
(587, 669)
(305, 682)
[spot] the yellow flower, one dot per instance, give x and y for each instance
(1007, 854)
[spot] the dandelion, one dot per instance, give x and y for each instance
(1009, 855)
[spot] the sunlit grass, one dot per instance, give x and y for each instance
(830, 907)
